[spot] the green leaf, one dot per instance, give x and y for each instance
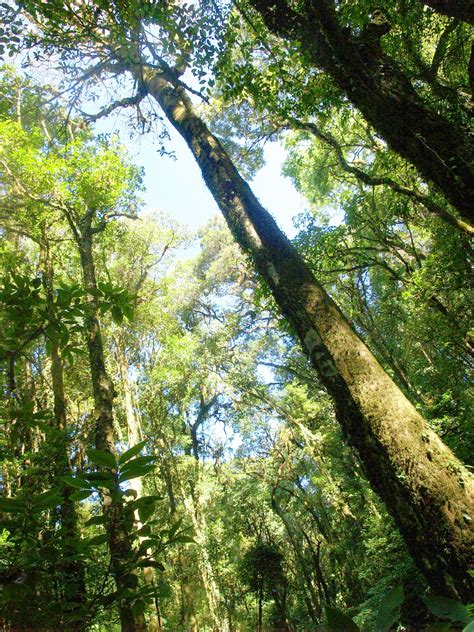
(72, 481)
(145, 512)
(117, 314)
(130, 492)
(130, 580)
(139, 461)
(389, 610)
(47, 500)
(95, 520)
(447, 608)
(11, 505)
(98, 539)
(174, 529)
(102, 458)
(183, 538)
(131, 452)
(469, 627)
(138, 607)
(128, 312)
(151, 564)
(131, 473)
(80, 495)
(337, 621)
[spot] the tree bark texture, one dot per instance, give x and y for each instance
(134, 436)
(424, 486)
(121, 552)
(439, 149)
(460, 9)
(74, 573)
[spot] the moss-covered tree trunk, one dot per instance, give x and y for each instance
(103, 390)
(134, 436)
(74, 573)
(424, 486)
(441, 150)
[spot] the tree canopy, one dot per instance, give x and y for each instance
(267, 434)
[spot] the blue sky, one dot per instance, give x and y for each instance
(176, 187)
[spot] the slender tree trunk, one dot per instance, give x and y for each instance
(313, 602)
(441, 151)
(424, 486)
(74, 575)
(103, 390)
(134, 437)
(260, 611)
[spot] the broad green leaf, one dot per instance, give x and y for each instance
(98, 539)
(130, 580)
(72, 481)
(447, 608)
(174, 529)
(131, 452)
(102, 458)
(337, 621)
(47, 500)
(130, 492)
(469, 627)
(137, 472)
(138, 607)
(117, 314)
(389, 610)
(95, 520)
(138, 461)
(80, 495)
(11, 505)
(151, 564)
(145, 511)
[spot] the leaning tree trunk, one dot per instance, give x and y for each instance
(440, 150)
(121, 552)
(460, 9)
(424, 486)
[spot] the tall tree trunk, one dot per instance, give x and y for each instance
(460, 9)
(440, 150)
(103, 390)
(424, 486)
(313, 603)
(74, 575)
(134, 437)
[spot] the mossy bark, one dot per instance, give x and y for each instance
(121, 552)
(74, 573)
(441, 150)
(424, 486)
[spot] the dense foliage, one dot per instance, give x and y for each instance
(169, 458)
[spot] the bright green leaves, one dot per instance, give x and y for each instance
(23, 310)
(131, 452)
(134, 468)
(102, 458)
(116, 300)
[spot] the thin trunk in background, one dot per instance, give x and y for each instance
(74, 574)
